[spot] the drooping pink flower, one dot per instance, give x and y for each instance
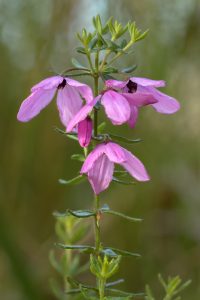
(123, 99)
(69, 101)
(99, 165)
(143, 91)
(116, 107)
(85, 131)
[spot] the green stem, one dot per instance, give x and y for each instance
(90, 61)
(97, 225)
(102, 283)
(120, 53)
(96, 91)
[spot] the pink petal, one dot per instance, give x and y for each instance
(139, 98)
(134, 115)
(92, 157)
(82, 114)
(48, 83)
(69, 103)
(112, 83)
(115, 152)
(32, 105)
(84, 89)
(100, 175)
(116, 107)
(148, 82)
(135, 167)
(165, 104)
(85, 132)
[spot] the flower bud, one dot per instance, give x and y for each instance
(85, 132)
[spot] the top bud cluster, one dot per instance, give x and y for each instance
(78, 104)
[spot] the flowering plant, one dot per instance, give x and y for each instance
(78, 105)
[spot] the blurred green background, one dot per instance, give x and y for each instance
(37, 38)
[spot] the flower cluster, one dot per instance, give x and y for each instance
(121, 100)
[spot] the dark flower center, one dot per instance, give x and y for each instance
(62, 84)
(132, 86)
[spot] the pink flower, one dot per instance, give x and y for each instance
(99, 165)
(85, 132)
(123, 99)
(69, 101)
(142, 91)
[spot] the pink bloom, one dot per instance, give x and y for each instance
(142, 91)
(69, 101)
(99, 165)
(85, 132)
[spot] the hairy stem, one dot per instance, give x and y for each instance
(97, 225)
(102, 283)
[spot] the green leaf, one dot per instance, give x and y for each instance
(93, 43)
(105, 76)
(124, 294)
(149, 295)
(129, 69)
(113, 252)
(54, 262)
(123, 139)
(109, 252)
(72, 181)
(117, 180)
(77, 64)
(142, 36)
(115, 213)
(57, 290)
(110, 70)
(113, 283)
(101, 127)
(81, 50)
(75, 247)
(70, 135)
(81, 213)
(79, 157)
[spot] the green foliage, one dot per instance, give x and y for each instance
(172, 288)
(68, 230)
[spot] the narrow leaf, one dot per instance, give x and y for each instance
(81, 50)
(81, 213)
(129, 69)
(79, 157)
(72, 181)
(113, 283)
(123, 139)
(74, 247)
(77, 64)
(110, 251)
(112, 212)
(117, 180)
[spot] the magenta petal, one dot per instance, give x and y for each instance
(134, 115)
(112, 83)
(116, 107)
(115, 153)
(48, 83)
(148, 82)
(69, 103)
(140, 98)
(135, 167)
(92, 157)
(32, 105)
(85, 132)
(100, 175)
(82, 114)
(165, 104)
(84, 89)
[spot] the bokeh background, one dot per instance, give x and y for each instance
(37, 38)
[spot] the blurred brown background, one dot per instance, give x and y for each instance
(36, 38)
